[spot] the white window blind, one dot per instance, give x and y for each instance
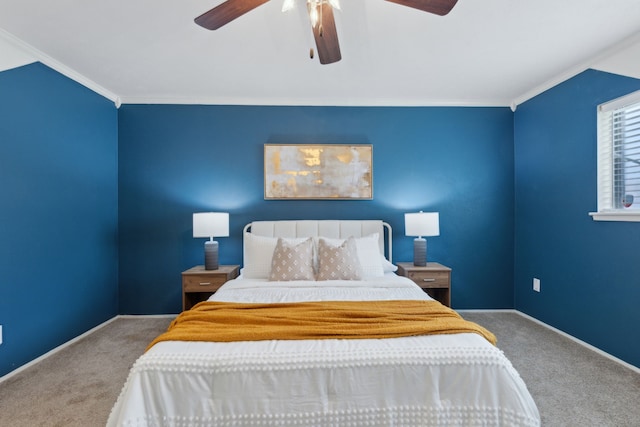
(619, 159)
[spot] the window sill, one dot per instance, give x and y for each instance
(616, 216)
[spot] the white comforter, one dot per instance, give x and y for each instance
(437, 380)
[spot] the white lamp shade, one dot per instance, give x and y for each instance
(211, 224)
(422, 224)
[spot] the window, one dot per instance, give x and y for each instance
(619, 159)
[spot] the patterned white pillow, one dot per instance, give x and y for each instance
(368, 254)
(292, 261)
(338, 262)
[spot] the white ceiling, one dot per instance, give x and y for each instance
(484, 53)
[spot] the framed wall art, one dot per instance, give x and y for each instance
(318, 171)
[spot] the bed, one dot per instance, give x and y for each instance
(435, 379)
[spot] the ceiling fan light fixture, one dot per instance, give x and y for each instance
(335, 4)
(315, 9)
(313, 12)
(323, 24)
(288, 5)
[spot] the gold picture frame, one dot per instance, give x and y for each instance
(318, 171)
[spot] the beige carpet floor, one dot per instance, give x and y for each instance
(77, 386)
(572, 385)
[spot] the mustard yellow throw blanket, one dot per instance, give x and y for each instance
(225, 322)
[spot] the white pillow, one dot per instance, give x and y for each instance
(338, 262)
(387, 267)
(292, 262)
(368, 254)
(258, 253)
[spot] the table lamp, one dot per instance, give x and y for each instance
(211, 224)
(421, 224)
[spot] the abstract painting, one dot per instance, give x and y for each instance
(318, 171)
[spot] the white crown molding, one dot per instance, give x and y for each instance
(382, 102)
(59, 67)
(576, 69)
(12, 56)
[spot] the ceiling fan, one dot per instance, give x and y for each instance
(321, 15)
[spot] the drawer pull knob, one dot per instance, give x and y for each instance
(428, 280)
(205, 283)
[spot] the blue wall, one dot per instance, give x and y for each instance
(176, 160)
(76, 174)
(58, 222)
(589, 271)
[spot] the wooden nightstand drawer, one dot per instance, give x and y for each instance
(196, 283)
(429, 279)
(433, 278)
(199, 284)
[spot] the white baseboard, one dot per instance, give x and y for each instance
(146, 316)
(484, 310)
(558, 331)
(79, 337)
(55, 350)
(169, 316)
(582, 343)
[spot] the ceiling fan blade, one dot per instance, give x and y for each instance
(226, 12)
(326, 36)
(439, 7)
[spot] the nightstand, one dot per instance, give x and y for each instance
(199, 284)
(434, 279)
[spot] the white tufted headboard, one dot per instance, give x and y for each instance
(334, 229)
